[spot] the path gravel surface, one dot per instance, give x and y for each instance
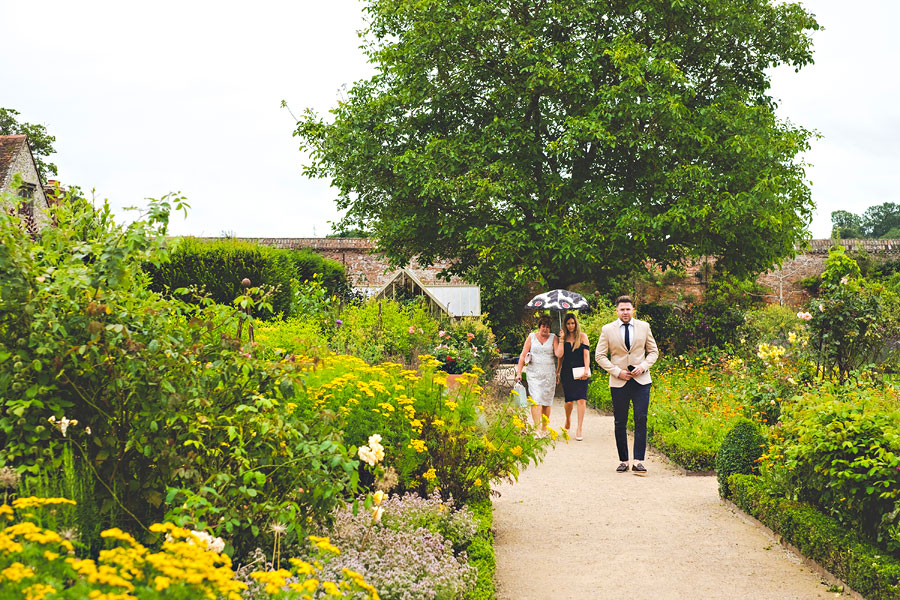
(572, 527)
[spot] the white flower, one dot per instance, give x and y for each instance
(378, 497)
(87, 430)
(844, 280)
(367, 456)
(374, 439)
(821, 308)
(376, 514)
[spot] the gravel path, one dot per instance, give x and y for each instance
(574, 528)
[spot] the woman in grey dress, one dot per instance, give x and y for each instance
(541, 347)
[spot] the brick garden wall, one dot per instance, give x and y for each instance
(366, 268)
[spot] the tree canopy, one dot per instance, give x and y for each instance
(39, 140)
(571, 140)
(881, 221)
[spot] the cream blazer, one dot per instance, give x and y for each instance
(612, 356)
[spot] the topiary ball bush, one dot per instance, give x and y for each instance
(740, 449)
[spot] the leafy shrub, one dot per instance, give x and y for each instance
(481, 551)
(411, 512)
(853, 323)
(772, 324)
(464, 344)
(840, 451)
(739, 452)
(296, 335)
(380, 330)
(433, 438)
(825, 540)
(163, 392)
(403, 564)
(218, 266)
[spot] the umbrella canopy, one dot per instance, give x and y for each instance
(558, 300)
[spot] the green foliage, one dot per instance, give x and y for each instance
(771, 324)
(182, 419)
(40, 142)
(496, 137)
(297, 336)
(466, 343)
(827, 541)
(846, 225)
(481, 551)
(841, 452)
(839, 266)
(853, 323)
(881, 221)
(380, 330)
(433, 437)
(503, 300)
(219, 266)
(739, 452)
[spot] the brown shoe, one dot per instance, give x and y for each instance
(639, 469)
(622, 468)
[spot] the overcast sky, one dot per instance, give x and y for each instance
(150, 98)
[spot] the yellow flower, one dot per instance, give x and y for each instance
(38, 591)
(16, 572)
(378, 497)
(517, 450)
(429, 475)
(323, 543)
(417, 445)
(438, 422)
(302, 567)
(478, 482)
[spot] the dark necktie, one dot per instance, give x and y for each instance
(627, 337)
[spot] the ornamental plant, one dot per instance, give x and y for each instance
(839, 449)
(466, 343)
(175, 564)
(177, 414)
(403, 550)
(456, 440)
(385, 330)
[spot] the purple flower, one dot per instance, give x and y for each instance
(338, 322)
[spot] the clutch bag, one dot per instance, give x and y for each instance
(578, 372)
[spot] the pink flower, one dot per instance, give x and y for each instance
(804, 315)
(470, 336)
(844, 280)
(441, 333)
(412, 329)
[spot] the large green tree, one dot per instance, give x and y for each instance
(570, 140)
(39, 140)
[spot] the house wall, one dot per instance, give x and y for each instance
(23, 164)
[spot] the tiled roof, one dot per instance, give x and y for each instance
(10, 145)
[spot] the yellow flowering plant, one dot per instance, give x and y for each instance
(434, 437)
(38, 563)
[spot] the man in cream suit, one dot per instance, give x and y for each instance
(626, 351)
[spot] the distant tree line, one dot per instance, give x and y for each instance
(878, 222)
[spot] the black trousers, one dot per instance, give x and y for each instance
(639, 395)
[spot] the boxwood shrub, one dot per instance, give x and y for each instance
(739, 452)
(867, 569)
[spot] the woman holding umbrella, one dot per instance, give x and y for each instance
(539, 353)
(574, 350)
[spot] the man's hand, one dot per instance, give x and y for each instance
(636, 371)
(624, 375)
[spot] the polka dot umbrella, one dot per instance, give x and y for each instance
(558, 301)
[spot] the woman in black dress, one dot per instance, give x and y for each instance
(575, 353)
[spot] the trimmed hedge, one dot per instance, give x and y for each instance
(867, 569)
(481, 551)
(220, 265)
(739, 452)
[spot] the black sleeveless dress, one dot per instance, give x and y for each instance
(574, 389)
